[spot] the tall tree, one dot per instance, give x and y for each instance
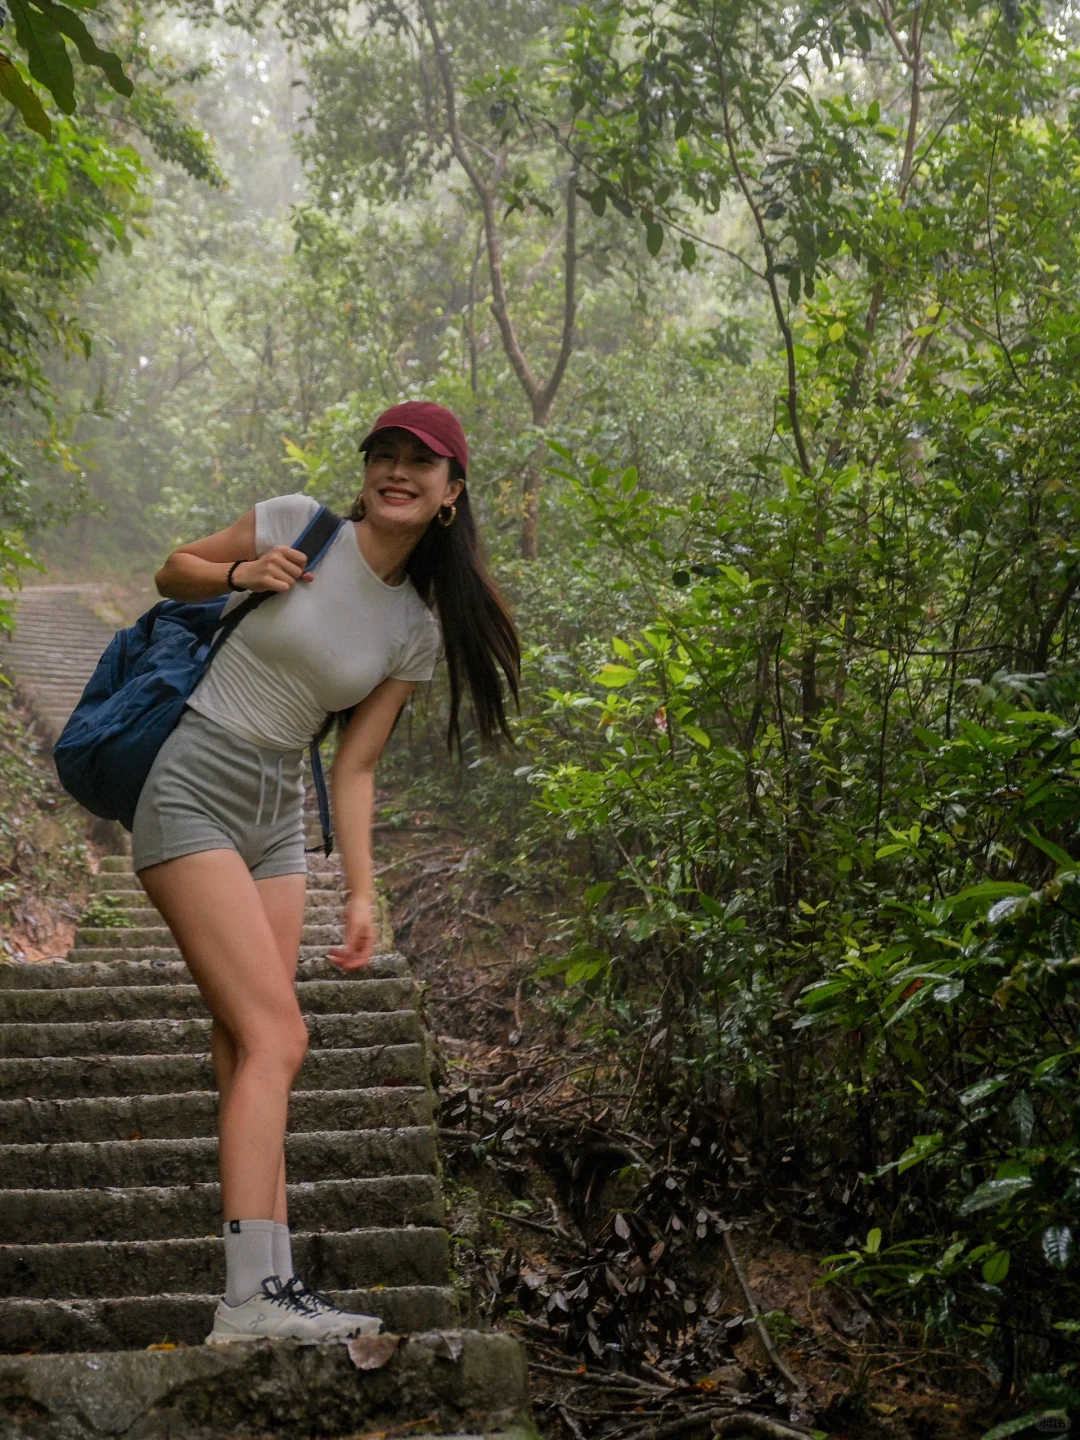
(453, 73)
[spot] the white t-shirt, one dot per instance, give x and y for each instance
(322, 646)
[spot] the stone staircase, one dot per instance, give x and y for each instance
(109, 1212)
(53, 649)
(110, 1250)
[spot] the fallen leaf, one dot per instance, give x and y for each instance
(164, 1345)
(371, 1352)
(880, 1408)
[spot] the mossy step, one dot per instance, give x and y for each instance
(136, 936)
(188, 1211)
(348, 1260)
(114, 1164)
(194, 1113)
(150, 1002)
(455, 1381)
(121, 865)
(192, 1037)
(160, 966)
(125, 1322)
(59, 1077)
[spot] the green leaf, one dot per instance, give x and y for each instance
(1023, 1114)
(698, 736)
(654, 237)
(1022, 1422)
(1057, 1245)
(90, 52)
(981, 1089)
(598, 200)
(996, 1267)
(687, 253)
(974, 897)
(921, 1148)
(614, 676)
(1061, 857)
(994, 1192)
(873, 1241)
(17, 92)
(47, 56)
(710, 906)
(595, 893)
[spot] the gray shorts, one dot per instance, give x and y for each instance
(210, 790)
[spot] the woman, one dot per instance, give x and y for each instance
(218, 840)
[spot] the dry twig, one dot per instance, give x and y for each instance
(759, 1324)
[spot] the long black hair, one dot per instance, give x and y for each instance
(448, 572)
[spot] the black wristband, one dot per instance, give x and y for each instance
(229, 579)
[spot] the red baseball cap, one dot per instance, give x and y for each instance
(437, 427)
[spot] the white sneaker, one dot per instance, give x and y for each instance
(276, 1313)
(341, 1324)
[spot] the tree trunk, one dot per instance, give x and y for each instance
(530, 490)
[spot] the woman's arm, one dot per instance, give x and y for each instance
(199, 571)
(352, 783)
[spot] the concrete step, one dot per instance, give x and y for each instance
(348, 1260)
(192, 1114)
(137, 911)
(134, 1321)
(455, 1381)
(192, 1037)
(29, 1217)
(109, 952)
(317, 1155)
(128, 887)
(163, 967)
(317, 865)
(58, 1077)
(148, 1002)
(324, 935)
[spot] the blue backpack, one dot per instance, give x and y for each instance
(137, 694)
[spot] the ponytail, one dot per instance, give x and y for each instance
(479, 638)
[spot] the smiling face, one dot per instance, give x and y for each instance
(406, 483)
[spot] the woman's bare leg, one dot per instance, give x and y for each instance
(283, 900)
(215, 911)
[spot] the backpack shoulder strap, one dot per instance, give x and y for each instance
(314, 541)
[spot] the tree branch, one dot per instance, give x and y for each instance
(486, 196)
(566, 344)
(1046, 634)
(792, 397)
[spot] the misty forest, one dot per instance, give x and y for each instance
(755, 962)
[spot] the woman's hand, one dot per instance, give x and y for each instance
(279, 569)
(360, 936)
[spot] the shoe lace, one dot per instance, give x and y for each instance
(289, 1293)
(312, 1298)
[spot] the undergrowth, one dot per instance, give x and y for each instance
(44, 858)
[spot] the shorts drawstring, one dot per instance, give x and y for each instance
(278, 783)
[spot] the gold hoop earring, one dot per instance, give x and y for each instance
(361, 508)
(449, 520)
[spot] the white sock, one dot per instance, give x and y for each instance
(283, 1261)
(249, 1258)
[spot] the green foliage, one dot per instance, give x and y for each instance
(42, 30)
(43, 856)
(104, 912)
(822, 793)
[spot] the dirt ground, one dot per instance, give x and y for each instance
(555, 1209)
